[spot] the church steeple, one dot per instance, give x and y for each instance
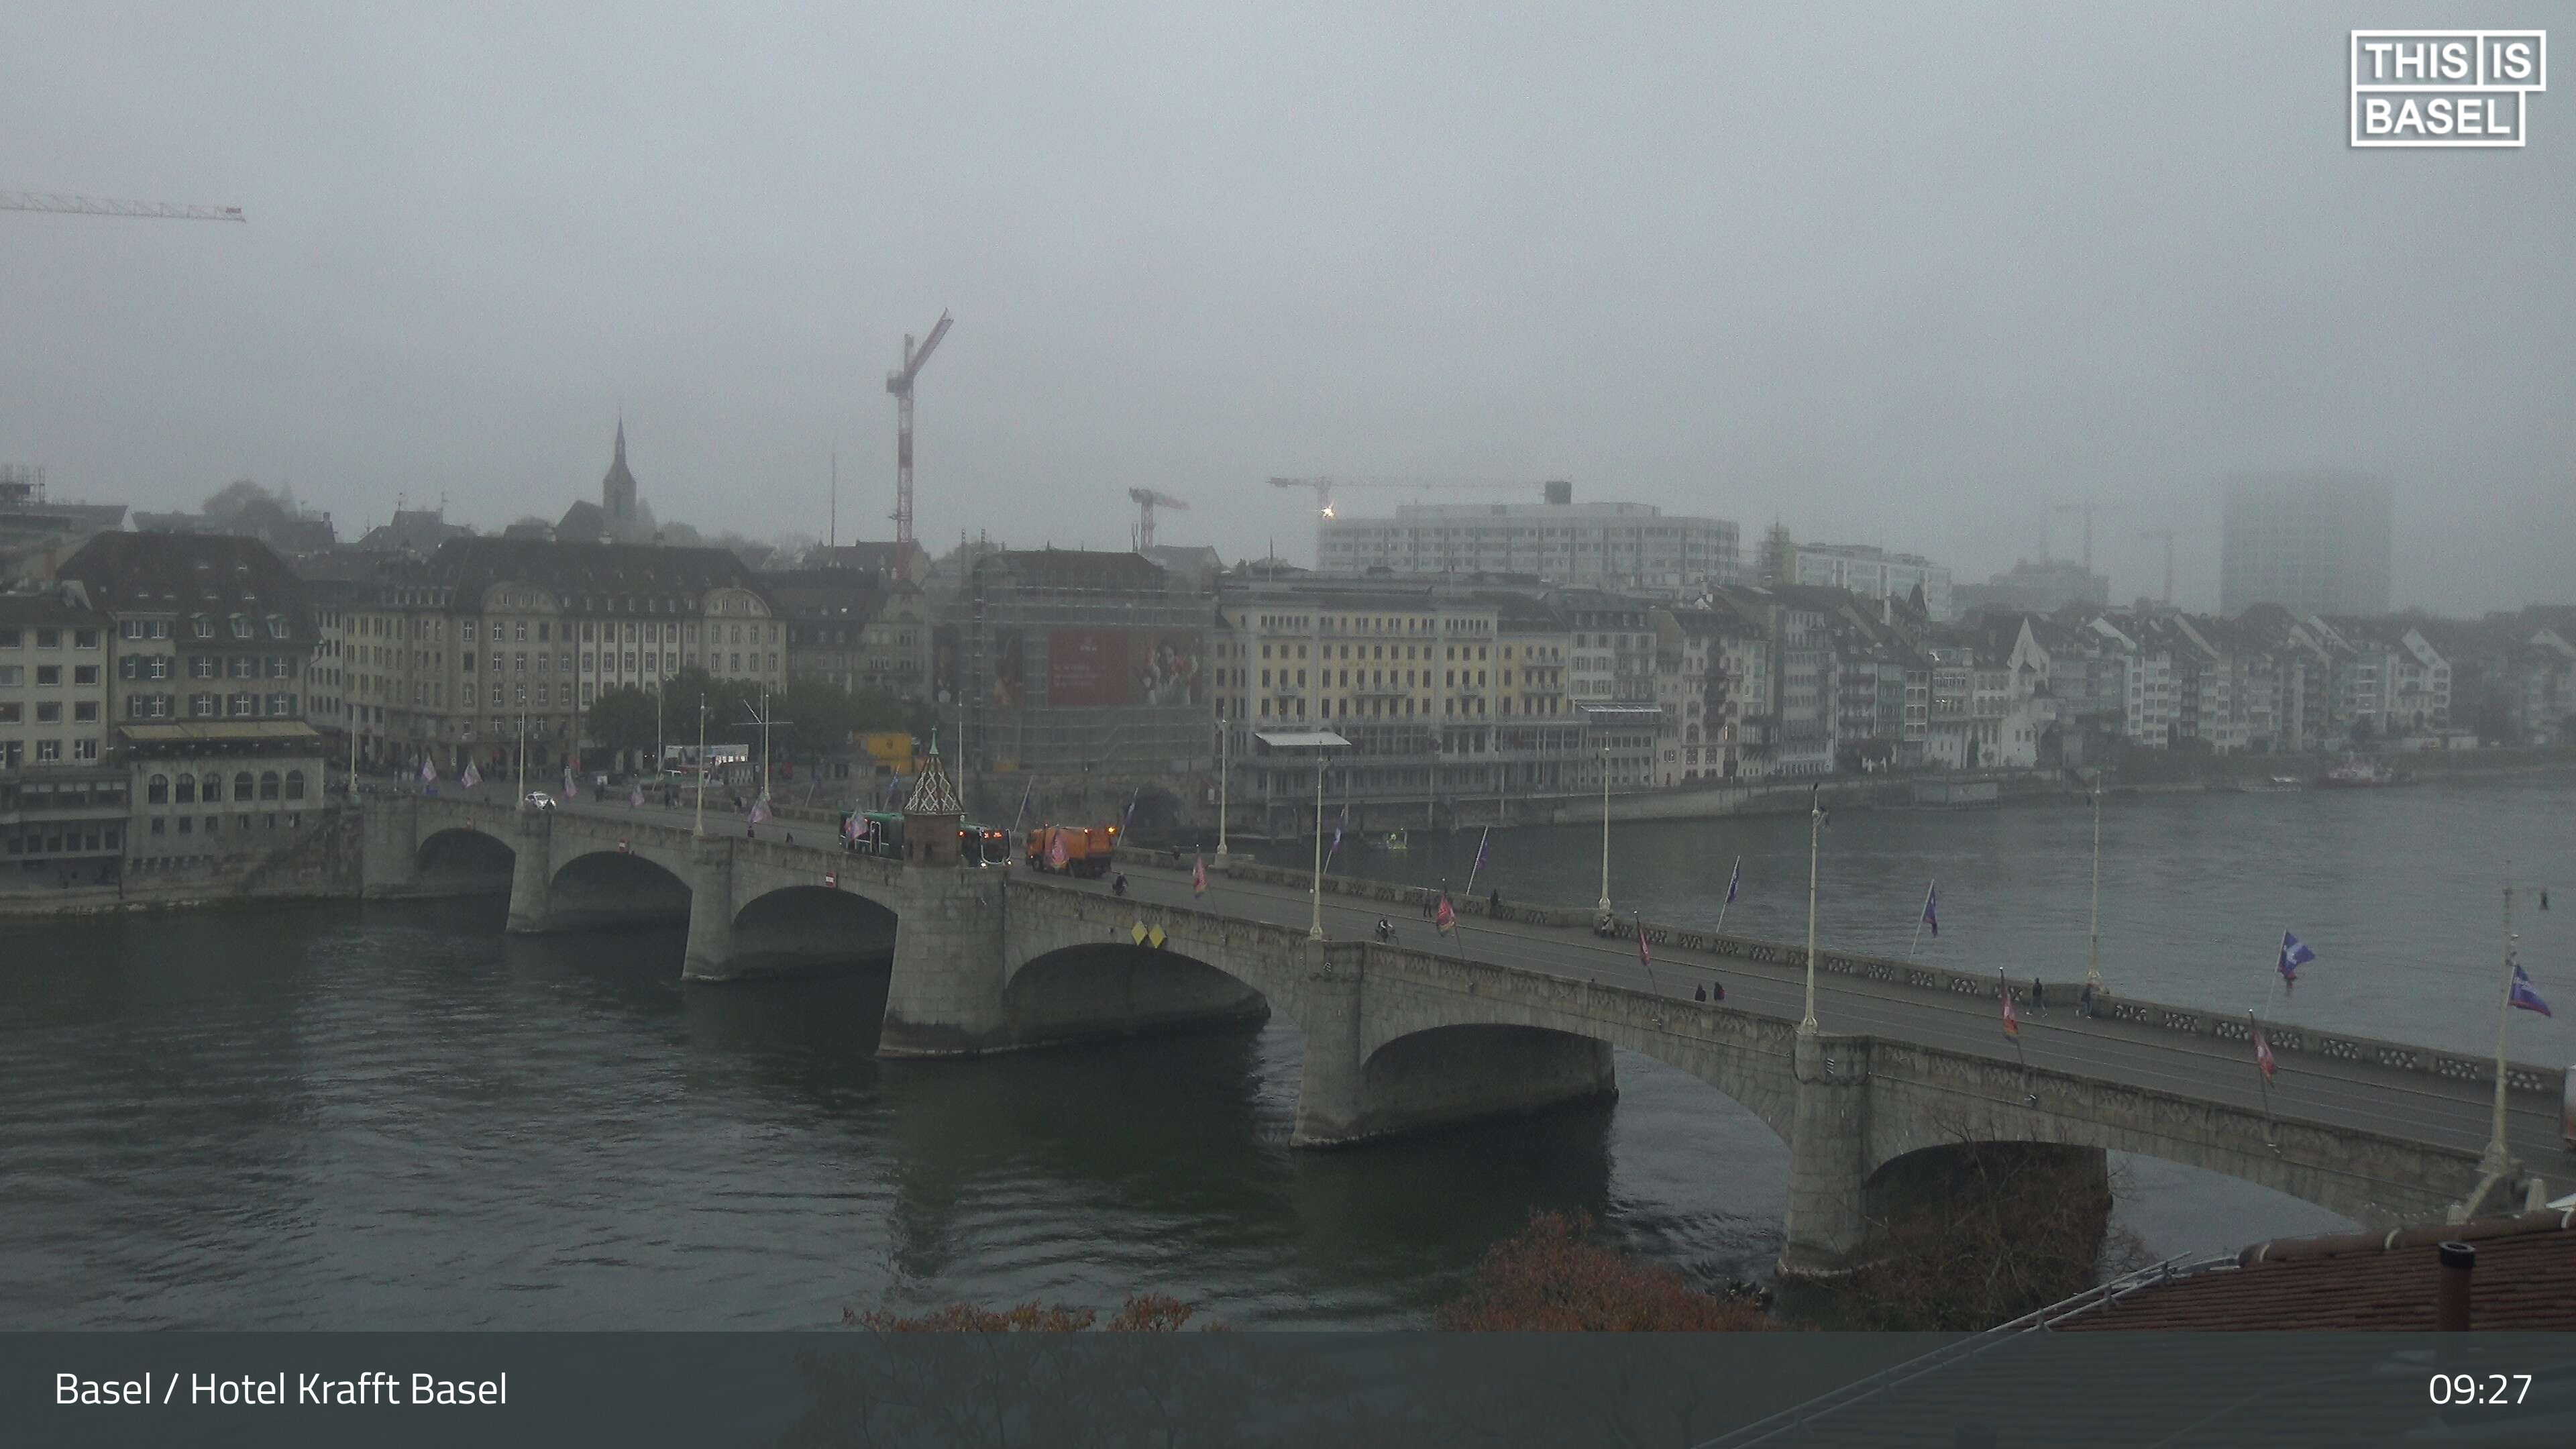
(617, 490)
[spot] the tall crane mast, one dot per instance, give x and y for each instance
(899, 382)
(1147, 500)
(63, 201)
(1324, 486)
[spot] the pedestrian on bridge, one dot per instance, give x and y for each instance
(2038, 997)
(1699, 993)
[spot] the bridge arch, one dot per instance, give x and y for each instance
(797, 927)
(604, 888)
(463, 859)
(1092, 989)
(2362, 1177)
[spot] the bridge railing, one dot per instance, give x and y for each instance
(2286, 1039)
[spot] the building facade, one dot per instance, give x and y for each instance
(62, 800)
(1874, 574)
(1628, 546)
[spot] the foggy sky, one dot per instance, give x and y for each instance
(1902, 279)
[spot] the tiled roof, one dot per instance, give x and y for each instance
(2525, 1280)
(185, 574)
(591, 578)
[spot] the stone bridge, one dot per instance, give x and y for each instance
(1397, 1040)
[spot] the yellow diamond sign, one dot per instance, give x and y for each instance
(1156, 936)
(1136, 933)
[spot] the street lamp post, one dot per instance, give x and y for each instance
(1603, 908)
(2495, 1162)
(700, 828)
(1315, 919)
(1815, 833)
(1224, 776)
(523, 756)
(2093, 951)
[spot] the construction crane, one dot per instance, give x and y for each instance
(100, 206)
(2088, 510)
(2167, 535)
(1324, 487)
(899, 382)
(1147, 500)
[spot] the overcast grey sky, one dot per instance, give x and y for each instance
(1898, 275)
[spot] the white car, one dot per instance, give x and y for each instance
(540, 800)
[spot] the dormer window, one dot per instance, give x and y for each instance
(203, 627)
(241, 626)
(277, 626)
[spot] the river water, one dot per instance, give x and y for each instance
(395, 1116)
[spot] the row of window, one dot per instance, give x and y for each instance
(208, 666)
(277, 705)
(48, 676)
(592, 632)
(57, 841)
(49, 711)
(15, 638)
(202, 626)
(46, 751)
(209, 788)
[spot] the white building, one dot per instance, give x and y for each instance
(1875, 574)
(1631, 546)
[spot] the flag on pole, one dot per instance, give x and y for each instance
(1055, 850)
(471, 777)
(2523, 994)
(571, 787)
(1932, 909)
(2012, 1018)
(635, 797)
(1643, 957)
(1198, 876)
(428, 773)
(760, 810)
(1734, 878)
(2294, 954)
(1338, 825)
(2263, 1055)
(1446, 917)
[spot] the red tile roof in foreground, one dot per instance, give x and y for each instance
(2525, 1280)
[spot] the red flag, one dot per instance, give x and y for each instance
(1642, 958)
(1198, 877)
(2012, 1018)
(2263, 1054)
(1447, 917)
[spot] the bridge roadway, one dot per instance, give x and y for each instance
(2360, 1095)
(2379, 1132)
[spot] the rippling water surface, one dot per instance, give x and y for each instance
(394, 1116)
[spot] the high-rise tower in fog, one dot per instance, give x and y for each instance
(2314, 543)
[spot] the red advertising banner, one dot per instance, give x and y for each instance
(1087, 667)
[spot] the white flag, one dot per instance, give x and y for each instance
(471, 777)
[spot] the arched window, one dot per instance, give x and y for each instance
(187, 789)
(244, 785)
(268, 785)
(158, 792)
(295, 784)
(213, 788)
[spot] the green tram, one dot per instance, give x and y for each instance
(880, 833)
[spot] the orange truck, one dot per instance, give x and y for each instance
(1073, 849)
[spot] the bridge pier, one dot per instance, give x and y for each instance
(1328, 1081)
(945, 998)
(710, 953)
(1826, 1227)
(532, 873)
(390, 856)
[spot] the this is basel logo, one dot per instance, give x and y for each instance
(2445, 88)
